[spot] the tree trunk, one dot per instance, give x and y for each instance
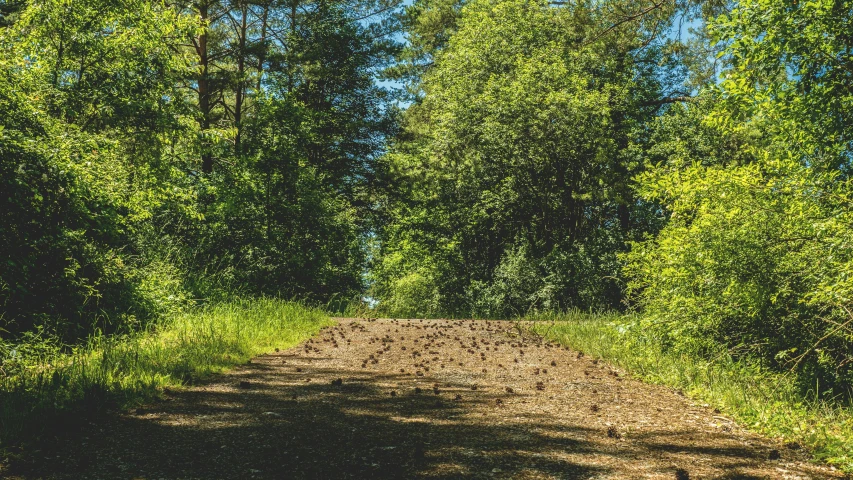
(263, 53)
(204, 87)
(241, 81)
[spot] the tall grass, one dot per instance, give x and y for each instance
(766, 402)
(40, 383)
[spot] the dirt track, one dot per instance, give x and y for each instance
(420, 398)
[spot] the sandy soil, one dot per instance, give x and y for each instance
(424, 399)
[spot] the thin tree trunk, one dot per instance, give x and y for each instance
(263, 52)
(290, 81)
(241, 86)
(204, 87)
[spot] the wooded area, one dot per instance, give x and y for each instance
(688, 162)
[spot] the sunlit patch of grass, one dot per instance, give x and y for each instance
(41, 382)
(766, 402)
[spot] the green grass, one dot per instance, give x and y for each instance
(40, 384)
(765, 402)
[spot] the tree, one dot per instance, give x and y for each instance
(297, 201)
(191, 150)
(790, 75)
(515, 162)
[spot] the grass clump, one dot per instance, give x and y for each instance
(43, 384)
(767, 402)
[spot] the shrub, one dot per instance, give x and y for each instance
(755, 258)
(65, 238)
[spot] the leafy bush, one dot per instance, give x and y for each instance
(580, 276)
(755, 258)
(63, 229)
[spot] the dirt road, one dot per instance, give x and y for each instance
(424, 399)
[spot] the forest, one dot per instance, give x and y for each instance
(681, 168)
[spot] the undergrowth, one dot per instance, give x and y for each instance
(766, 402)
(43, 384)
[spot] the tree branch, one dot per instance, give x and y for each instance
(666, 100)
(629, 18)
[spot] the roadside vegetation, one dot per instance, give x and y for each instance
(763, 400)
(44, 385)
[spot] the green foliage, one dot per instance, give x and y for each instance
(287, 213)
(43, 385)
(428, 25)
(103, 64)
(292, 212)
(760, 399)
(9, 11)
(743, 261)
(110, 126)
(62, 227)
(513, 169)
(755, 256)
(790, 75)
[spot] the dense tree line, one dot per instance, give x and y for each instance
(513, 175)
(156, 154)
